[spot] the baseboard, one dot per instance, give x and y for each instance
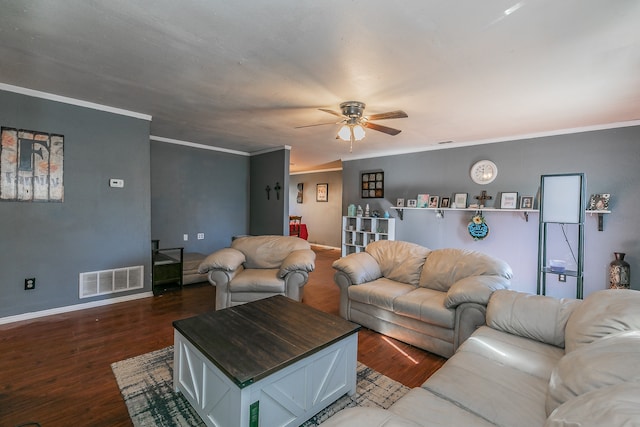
(70, 308)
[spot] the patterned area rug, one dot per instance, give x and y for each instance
(147, 388)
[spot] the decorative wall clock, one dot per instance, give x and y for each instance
(483, 172)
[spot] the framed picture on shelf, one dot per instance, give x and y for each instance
(526, 202)
(509, 200)
(372, 185)
(322, 192)
(412, 203)
(599, 202)
(460, 199)
(444, 202)
(433, 201)
(400, 203)
(423, 200)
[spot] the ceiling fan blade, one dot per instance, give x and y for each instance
(317, 124)
(380, 128)
(335, 113)
(398, 114)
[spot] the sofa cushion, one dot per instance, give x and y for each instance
(444, 267)
(533, 357)
(503, 394)
(538, 317)
(617, 405)
(399, 261)
(425, 408)
(602, 313)
(368, 417)
(607, 361)
(426, 305)
(380, 293)
(263, 280)
(268, 251)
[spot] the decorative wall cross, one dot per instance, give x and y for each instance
(482, 197)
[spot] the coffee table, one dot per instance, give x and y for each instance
(271, 362)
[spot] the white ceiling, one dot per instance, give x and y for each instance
(242, 75)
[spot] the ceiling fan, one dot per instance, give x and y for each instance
(353, 121)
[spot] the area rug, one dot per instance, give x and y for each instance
(147, 388)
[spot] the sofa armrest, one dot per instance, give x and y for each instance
(299, 260)
(227, 259)
(359, 268)
(476, 289)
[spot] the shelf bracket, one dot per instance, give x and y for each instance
(600, 222)
(400, 214)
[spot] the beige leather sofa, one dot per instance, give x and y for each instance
(257, 267)
(539, 361)
(433, 299)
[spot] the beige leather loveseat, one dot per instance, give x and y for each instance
(433, 299)
(257, 267)
(539, 361)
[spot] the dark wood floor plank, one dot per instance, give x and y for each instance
(56, 370)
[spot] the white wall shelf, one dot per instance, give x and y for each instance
(440, 212)
(359, 231)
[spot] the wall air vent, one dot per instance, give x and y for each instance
(104, 282)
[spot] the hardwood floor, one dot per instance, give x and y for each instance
(56, 370)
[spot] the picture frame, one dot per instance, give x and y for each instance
(423, 201)
(444, 202)
(412, 203)
(400, 203)
(460, 199)
(433, 201)
(526, 202)
(599, 202)
(509, 200)
(372, 185)
(322, 192)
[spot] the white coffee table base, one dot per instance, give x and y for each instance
(287, 397)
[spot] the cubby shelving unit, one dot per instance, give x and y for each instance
(359, 231)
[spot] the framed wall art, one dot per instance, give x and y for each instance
(526, 202)
(460, 200)
(509, 200)
(322, 192)
(372, 185)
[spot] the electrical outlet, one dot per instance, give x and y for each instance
(200, 236)
(185, 237)
(29, 284)
(562, 277)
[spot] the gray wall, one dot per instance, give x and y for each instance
(269, 216)
(96, 227)
(194, 191)
(609, 158)
(323, 219)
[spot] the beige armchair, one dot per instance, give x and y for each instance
(257, 267)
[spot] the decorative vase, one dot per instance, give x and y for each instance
(351, 210)
(619, 272)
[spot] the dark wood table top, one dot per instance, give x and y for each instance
(251, 341)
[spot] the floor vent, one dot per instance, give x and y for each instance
(104, 282)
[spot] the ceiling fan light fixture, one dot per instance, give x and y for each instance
(358, 132)
(346, 132)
